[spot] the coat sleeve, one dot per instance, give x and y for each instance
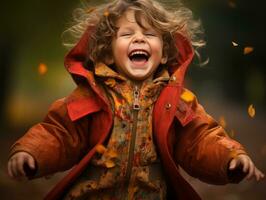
(203, 148)
(57, 143)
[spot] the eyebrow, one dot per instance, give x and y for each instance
(131, 29)
(126, 28)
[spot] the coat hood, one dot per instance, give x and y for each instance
(78, 56)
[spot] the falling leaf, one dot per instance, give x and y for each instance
(100, 149)
(222, 121)
(106, 13)
(232, 4)
(109, 164)
(248, 50)
(42, 69)
(187, 96)
(251, 111)
(235, 44)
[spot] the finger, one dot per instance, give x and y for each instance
(13, 167)
(233, 164)
(245, 164)
(31, 162)
(9, 171)
(251, 171)
(259, 175)
(20, 163)
(262, 175)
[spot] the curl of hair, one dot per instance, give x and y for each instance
(164, 17)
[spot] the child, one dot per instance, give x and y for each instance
(130, 123)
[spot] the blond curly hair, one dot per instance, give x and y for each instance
(166, 20)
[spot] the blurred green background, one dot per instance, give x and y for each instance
(30, 34)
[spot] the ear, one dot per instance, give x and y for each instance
(164, 59)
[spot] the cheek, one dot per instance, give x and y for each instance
(158, 48)
(120, 47)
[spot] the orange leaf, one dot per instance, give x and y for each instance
(187, 96)
(100, 149)
(109, 164)
(222, 121)
(248, 50)
(42, 68)
(251, 111)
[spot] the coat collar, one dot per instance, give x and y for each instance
(78, 56)
(103, 70)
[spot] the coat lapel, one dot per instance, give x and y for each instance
(82, 102)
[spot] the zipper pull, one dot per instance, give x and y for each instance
(136, 105)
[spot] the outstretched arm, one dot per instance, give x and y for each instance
(204, 149)
(55, 144)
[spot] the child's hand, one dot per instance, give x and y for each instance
(17, 163)
(248, 167)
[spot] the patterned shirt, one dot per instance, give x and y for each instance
(127, 167)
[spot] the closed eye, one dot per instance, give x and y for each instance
(150, 34)
(126, 34)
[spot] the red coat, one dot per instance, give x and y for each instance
(184, 133)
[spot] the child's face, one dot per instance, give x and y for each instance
(137, 52)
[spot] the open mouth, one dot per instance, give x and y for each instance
(139, 56)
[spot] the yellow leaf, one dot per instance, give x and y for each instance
(222, 121)
(251, 111)
(109, 164)
(100, 149)
(235, 44)
(248, 50)
(187, 96)
(42, 69)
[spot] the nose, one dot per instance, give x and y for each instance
(139, 38)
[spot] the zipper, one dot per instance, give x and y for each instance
(136, 108)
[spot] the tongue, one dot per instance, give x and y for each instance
(139, 61)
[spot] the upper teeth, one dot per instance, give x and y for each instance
(139, 52)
